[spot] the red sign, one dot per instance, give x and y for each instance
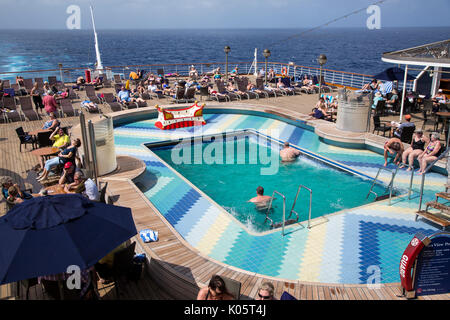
(407, 262)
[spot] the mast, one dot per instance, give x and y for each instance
(97, 51)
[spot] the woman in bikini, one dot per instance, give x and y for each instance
(417, 147)
(431, 152)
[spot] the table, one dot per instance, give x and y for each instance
(45, 151)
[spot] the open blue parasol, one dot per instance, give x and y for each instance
(44, 235)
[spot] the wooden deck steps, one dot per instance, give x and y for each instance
(441, 218)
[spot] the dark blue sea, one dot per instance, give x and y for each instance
(352, 50)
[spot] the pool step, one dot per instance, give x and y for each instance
(287, 222)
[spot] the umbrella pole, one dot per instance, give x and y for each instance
(404, 92)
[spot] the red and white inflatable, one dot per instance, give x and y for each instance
(171, 118)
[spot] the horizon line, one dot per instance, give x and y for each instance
(218, 28)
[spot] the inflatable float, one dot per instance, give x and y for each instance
(172, 118)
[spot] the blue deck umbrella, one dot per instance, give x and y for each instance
(393, 74)
(44, 235)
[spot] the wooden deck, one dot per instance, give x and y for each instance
(174, 269)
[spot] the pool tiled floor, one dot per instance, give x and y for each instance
(353, 247)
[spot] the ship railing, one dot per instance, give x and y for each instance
(332, 77)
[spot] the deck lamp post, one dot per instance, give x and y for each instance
(266, 54)
(227, 49)
(60, 71)
(321, 60)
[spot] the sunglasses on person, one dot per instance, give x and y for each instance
(264, 297)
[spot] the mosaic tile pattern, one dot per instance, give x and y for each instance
(350, 248)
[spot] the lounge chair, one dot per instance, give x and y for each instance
(231, 94)
(52, 80)
(179, 95)
(289, 88)
(91, 94)
(260, 87)
(6, 84)
(40, 82)
(16, 89)
(117, 79)
(27, 109)
(242, 84)
(111, 101)
(189, 95)
(25, 138)
(233, 287)
(146, 96)
(14, 114)
(67, 108)
(28, 84)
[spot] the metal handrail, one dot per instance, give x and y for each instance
(390, 186)
(295, 201)
(443, 155)
(284, 209)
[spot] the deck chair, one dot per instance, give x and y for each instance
(179, 96)
(407, 133)
(40, 82)
(28, 84)
(111, 101)
(27, 109)
(233, 287)
(25, 138)
(11, 91)
(103, 193)
(242, 84)
(380, 107)
(6, 84)
(14, 115)
(146, 96)
(16, 89)
(289, 88)
(189, 95)
(91, 94)
(122, 265)
(52, 80)
(67, 108)
(378, 126)
(260, 87)
(117, 79)
(203, 91)
(231, 94)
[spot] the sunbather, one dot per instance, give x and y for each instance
(89, 106)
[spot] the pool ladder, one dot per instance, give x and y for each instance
(390, 186)
(289, 221)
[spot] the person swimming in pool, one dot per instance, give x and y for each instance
(288, 153)
(260, 199)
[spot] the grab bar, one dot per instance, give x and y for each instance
(284, 209)
(310, 204)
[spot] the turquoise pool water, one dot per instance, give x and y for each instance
(229, 172)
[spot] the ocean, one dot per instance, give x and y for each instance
(347, 49)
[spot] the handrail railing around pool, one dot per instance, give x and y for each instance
(390, 186)
(284, 209)
(443, 155)
(295, 201)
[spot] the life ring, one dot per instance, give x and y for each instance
(284, 71)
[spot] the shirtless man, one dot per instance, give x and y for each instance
(260, 197)
(288, 153)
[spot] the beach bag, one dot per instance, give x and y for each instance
(148, 235)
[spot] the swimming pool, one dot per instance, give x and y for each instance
(229, 167)
(342, 250)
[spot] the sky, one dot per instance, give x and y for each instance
(212, 14)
